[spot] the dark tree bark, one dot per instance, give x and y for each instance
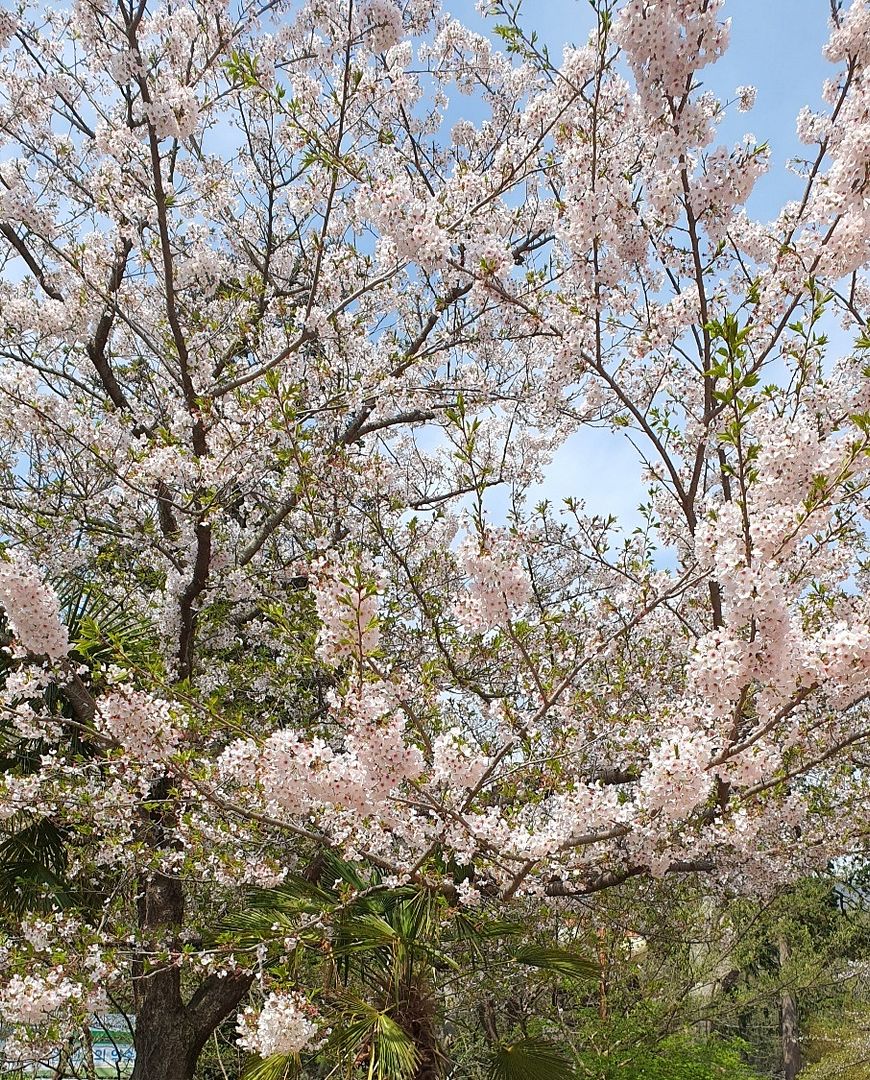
(603, 967)
(170, 1034)
(418, 1016)
(791, 1047)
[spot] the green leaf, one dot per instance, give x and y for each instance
(560, 961)
(394, 1050)
(475, 931)
(391, 1049)
(530, 1059)
(100, 627)
(33, 862)
(363, 933)
(341, 870)
(276, 1067)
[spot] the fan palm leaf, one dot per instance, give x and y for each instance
(530, 1059)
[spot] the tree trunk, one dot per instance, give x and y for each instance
(164, 1038)
(166, 1044)
(791, 1047)
(169, 1035)
(603, 966)
(418, 1016)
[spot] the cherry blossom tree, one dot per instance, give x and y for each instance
(279, 336)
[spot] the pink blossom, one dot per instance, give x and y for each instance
(32, 608)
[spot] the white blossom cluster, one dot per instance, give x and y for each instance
(286, 1024)
(32, 608)
(143, 724)
(31, 999)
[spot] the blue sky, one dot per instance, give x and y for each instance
(775, 46)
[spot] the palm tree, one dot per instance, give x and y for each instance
(385, 964)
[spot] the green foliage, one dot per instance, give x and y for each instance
(34, 849)
(836, 1045)
(530, 1059)
(33, 861)
(366, 1031)
(678, 1057)
(276, 1067)
(241, 69)
(557, 961)
(102, 630)
(383, 956)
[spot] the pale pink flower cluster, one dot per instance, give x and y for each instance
(719, 668)
(727, 182)
(599, 195)
(409, 220)
(725, 660)
(746, 96)
(851, 38)
(286, 1024)
(8, 26)
(810, 126)
(841, 655)
(31, 999)
(841, 195)
(144, 725)
(455, 762)
(758, 761)
(468, 893)
(32, 608)
(762, 556)
(19, 793)
(44, 996)
(790, 454)
(667, 322)
(173, 110)
(359, 774)
(382, 20)
(496, 582)
(18, 207)
(347, 600)
(44, 934)
(667, 41)
(676, 779)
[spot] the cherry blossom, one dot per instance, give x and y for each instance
(32, 608)
(285, 1024)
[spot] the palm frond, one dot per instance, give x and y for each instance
(362, 933)
(100, 626)
(269, 914)
(395, 1056)
(276, 1067)
(372, 1031)
(530, 1059)
(420, 916)
(33, 861)
(295, 890)
(476, 932)
(559, 961)
(334, 868)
